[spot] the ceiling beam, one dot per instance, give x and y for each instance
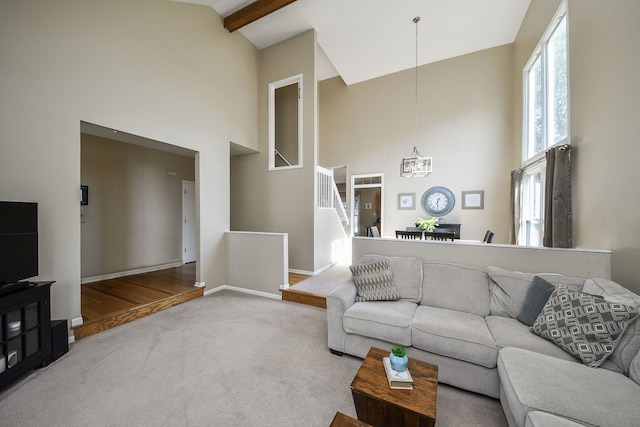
(253, 12)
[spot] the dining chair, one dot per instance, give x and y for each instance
(488, 237)
(413, 235)
(442, 236)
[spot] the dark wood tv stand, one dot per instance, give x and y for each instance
(25, 331)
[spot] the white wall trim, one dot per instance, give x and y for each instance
(312, 273)
(243, 290)
(77, 321)
(130, 272)
(260, 233)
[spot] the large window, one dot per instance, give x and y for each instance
(545, 121)
(546, 108)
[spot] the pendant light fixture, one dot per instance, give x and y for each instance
(416, 165)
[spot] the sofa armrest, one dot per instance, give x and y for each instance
(338, 302)
(344, 295)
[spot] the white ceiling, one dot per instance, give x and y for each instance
(365, 39)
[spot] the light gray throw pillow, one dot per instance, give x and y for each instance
(374, 282)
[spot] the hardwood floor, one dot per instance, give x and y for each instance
(109, 303)
(297, 278)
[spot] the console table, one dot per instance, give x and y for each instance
(25, 331)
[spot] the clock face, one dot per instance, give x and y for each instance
(438, 201)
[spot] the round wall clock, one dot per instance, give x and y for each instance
(438, 201)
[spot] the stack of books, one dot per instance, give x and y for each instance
(397, 379)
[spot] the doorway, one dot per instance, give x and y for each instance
(367, 195)
(189, 222)
(132, 227)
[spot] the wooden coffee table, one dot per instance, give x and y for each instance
(342, 420)
(379, 405)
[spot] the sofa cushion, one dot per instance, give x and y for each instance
(537, 296)
(509, 288)
(456, 287)
(584, 325)
(629, 343)
(509, 332)
(530, 381)
(406, 274)
(373, 282)
(386, 320)
(454, 334)
(634, 369)
(545, 419)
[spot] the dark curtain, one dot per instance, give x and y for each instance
(514, 211)
(557, 197)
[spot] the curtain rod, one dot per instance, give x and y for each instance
(562, 147)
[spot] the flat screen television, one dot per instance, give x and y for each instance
(18, 241)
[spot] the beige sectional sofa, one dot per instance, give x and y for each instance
(465, 320)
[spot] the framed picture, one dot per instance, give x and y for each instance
(406, 200)
(473, 199)
(368, 206)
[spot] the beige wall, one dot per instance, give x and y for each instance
(258, 261)
(163, 70)
(604, 63)
(464, 123)
(280, 201)
(134, 216)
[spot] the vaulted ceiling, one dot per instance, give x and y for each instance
(365, 39)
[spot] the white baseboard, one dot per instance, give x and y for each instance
(130, 272)
(77, 321)
(243, 290)
(312, 273)
(306, 272)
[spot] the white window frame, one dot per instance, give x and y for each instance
(272, 121)
(528, 212)
(541, 52)
(536, 163)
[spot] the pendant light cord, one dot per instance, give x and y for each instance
(415, 123)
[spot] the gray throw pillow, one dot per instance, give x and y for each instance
(537, 296)
(585, 326)
(374, 282)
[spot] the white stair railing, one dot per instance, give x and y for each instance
(328, 196)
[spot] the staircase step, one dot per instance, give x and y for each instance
(304, 298)
(126, 316)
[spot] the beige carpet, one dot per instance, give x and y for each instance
(325, 282)
(227, 359)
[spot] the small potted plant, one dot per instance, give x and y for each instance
(398, 359)
(428, 225)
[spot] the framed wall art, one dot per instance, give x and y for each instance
(406, 200)
(473, 199)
